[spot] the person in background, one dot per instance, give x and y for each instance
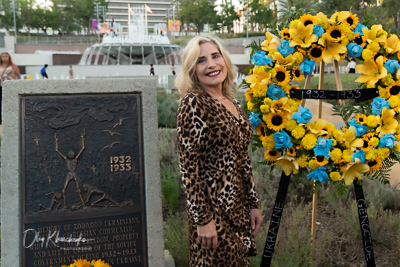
(9, 71)
(352, 66)
(151, 69)
(43, 72)
(173, 70)
(213, 138)
(71, 72)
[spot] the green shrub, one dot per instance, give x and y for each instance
(167, 105)
(170, 188)
(176, 238)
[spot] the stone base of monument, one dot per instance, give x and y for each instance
(80, 173)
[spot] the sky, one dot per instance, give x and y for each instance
(219, 2)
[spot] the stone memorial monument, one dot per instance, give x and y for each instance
(80, 173)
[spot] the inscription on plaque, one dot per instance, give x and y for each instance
(82, 180)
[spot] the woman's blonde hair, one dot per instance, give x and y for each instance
(187, 80)
(9, 56)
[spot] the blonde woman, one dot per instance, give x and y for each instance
(213, 137)
(8, 71)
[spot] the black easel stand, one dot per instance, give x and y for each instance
(275, 220)
(364, 225)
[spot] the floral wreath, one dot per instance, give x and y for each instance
(366, 145)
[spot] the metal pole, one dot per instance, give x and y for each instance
(15, 21)
(247, 21)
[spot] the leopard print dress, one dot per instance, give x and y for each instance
(217, 177)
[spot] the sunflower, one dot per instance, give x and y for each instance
(361, 119)
(343, 55)
(297, 74)
(367, 144)
(321, 160)
(276, 121)
(335, 34)
(315, 52)
(374, 165)
(308, 19)
(272, 154)
(260, 130)
(282, 75)
(377, 55)
(291, 151)
(360, 40)
(285, 34)
(351, 20)
(394, 89)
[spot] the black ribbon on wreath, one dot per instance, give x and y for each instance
(359, 96)
(275, 220)
(364, 225)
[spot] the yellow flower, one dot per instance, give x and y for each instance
(394, 101)
(298, 132)
(374, 165)
(283, 61)
(374, 141)
(313, 164)
(302, 35)
(360, 40)
(297, 74)
(259, 76)
(334, 34)
(352, 21)
(250, 106)
(336, 155)
(350, 139)
(322, 20)
(374, 47)
(367, 145)
(285, 34)
(299, 57)
(371, 155)
(260, 130)
(394, 89)
(272, 154)
(268, 142)
(347, 155)
(315, 52)
(288, 164)
(392, 44)
(335, 176)
(361, 119)
(367, 55)
(272, 42)
(280, 104)
(308, 19)
(291, 151)
(294, 23)
(291, 124)
(303, 161)
(81, 263)
(275, 121)
(383, 152)
(387, 122)
(332, 48)
(388, 79)
(354, 170)
(321, 160)
(376, 33)
(372, 122)
(318, 127)
(282, 75)
(372, 71)
(309, 141)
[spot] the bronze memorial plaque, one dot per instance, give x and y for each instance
(83, 180)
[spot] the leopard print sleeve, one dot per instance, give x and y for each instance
(251, 196)
(190, 127)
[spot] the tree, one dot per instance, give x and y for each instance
(27, 12)
(260, 14)
(228, 15)
(6, 15)
(390, 9)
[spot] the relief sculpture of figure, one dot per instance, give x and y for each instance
(91, 190)
(71, 161)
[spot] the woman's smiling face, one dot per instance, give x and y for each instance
(210, 67)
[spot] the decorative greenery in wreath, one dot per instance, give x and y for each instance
(366, 145)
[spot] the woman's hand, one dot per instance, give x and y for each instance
(208, 235)
(256, 220)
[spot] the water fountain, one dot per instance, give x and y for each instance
(137, 47)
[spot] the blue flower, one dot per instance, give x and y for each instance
(319, 175)
(354, 50)
(282, 140)
(275, 92)
(318, 30)
(378, 104)
(307, 66)
(391, 66)
(387, 141)
(260, 58)
(323, 147)
(361, 129)
(285, 49)
(254, 119)
(303, 115)
(360, 154)
(359, 28)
